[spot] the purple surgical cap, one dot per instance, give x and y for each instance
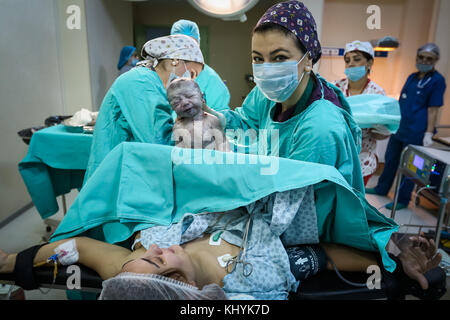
(294, 16)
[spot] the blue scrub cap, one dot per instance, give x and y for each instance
(186, 27)
(125, 55)
(429, 47)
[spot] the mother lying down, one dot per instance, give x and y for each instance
(246, 253)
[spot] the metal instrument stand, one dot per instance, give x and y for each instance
(443, 198)
(52, 224)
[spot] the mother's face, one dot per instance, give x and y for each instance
(274, 46)
(172, 262)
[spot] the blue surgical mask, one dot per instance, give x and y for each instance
(424, 67)
(355, 73)
(134, 62)
(277, 81)
(173, 75)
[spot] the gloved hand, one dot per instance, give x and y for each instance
(427, 141)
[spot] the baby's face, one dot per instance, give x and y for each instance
(186, 100)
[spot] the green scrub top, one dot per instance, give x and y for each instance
(134, 109)
(322, 133)
(216, 92)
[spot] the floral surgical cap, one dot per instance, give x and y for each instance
(294, 16)
(172, 47)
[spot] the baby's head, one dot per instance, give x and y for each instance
(185, 97)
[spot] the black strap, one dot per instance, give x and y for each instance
(398, 284)
(394, 282)
(23, 270)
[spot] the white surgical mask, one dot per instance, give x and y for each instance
(277, 81)
(173, 75)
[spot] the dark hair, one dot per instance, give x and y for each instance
(270, 26)
(180, 82)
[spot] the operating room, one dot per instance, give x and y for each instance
(215, 150)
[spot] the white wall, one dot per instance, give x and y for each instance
(30, 87)
(73, 58)
(410, 21)
(442, 39)
(407, 20)
(109, 28)
(44, 71)
(317, 8)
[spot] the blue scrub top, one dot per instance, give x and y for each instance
(415, 98)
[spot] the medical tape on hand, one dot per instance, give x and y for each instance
(67, 252)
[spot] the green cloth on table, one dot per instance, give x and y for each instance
(54, 165)
(141, 185)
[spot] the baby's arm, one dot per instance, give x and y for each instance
(218, 115)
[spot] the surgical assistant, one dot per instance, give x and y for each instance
(311, 117)
(358, 57)
(136, 108)
(213, 87)
(127, 60)
(420, 98)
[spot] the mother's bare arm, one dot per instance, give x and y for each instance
(106, 259)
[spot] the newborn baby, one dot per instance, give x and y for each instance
(194, 128)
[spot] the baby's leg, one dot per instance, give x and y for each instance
(104, 258)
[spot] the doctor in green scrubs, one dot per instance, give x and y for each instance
(136, 108)
(302, 115)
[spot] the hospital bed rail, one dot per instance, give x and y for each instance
(324, 286)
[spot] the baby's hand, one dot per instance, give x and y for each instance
(220, 116)
(206, 108)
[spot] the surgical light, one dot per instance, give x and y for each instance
(387, 43)
(224, 9)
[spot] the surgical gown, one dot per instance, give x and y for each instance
(216, 92)
(134, 109)
(322, 133)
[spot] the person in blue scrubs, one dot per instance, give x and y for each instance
(128, 59)
(211, 84)
(420, 99)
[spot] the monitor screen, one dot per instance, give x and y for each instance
(418, 162)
